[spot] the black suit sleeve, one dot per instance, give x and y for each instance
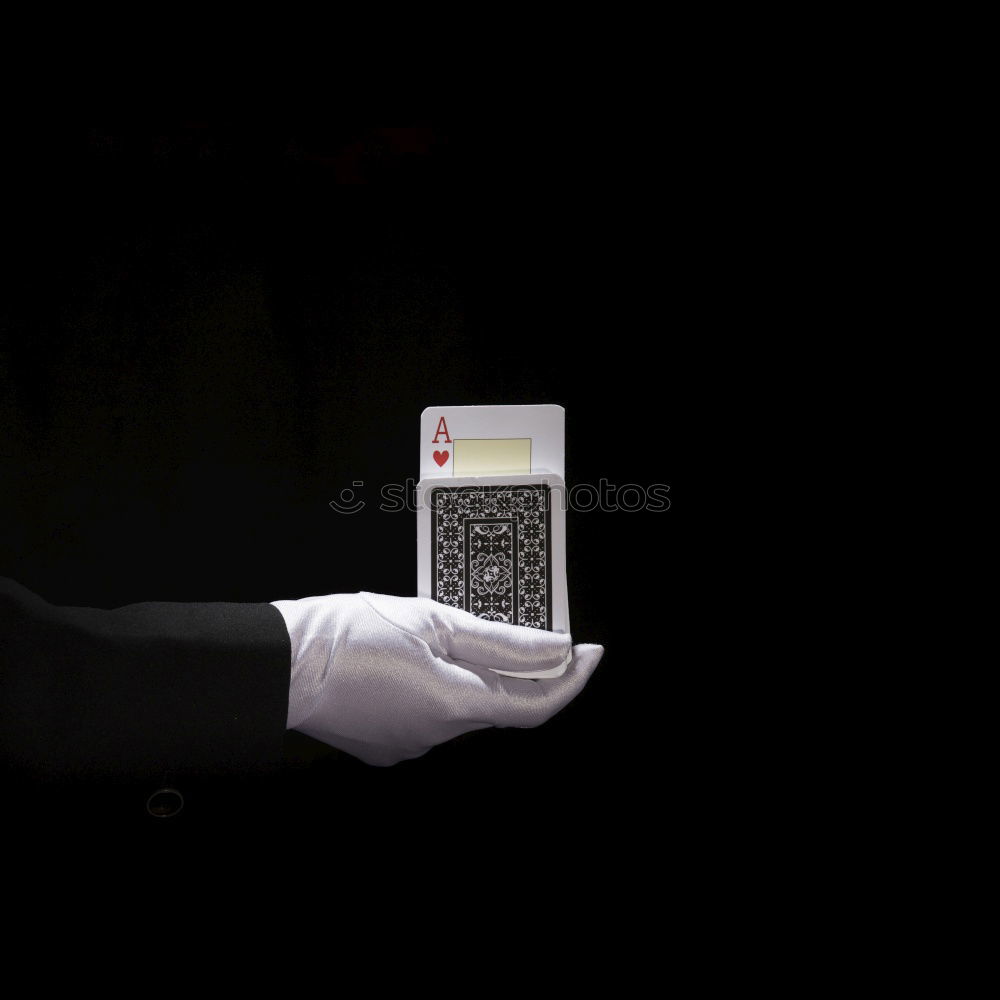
(142, 689)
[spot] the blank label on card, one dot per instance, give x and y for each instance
(492, 457)
(492, 552)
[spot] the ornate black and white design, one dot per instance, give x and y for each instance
(492, 552)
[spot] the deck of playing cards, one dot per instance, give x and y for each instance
(491, 513)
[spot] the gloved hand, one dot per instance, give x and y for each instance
(387, 678)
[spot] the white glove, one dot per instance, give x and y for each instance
(387, 678)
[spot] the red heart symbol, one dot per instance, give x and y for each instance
(440, 457)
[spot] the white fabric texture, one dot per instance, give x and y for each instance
(387, 678)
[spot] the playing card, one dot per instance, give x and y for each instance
(457, 441)
(492, 551)
(495, 546)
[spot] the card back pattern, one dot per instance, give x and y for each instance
(492, 552)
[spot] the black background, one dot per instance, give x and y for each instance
(210, 330)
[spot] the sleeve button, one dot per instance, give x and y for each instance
(164, 803)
